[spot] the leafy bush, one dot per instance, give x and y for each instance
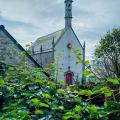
(28, 95)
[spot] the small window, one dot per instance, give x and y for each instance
(2, 69)
(69, 5)
(69, 46)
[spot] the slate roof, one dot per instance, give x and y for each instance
(47, 41)
(21, 48)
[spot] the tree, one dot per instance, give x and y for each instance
(107, 54)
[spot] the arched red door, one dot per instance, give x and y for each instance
(69, 78)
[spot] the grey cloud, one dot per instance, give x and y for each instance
(34, 18)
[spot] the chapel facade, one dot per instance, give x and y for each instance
(57, 47)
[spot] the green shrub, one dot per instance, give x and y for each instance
(28, 95)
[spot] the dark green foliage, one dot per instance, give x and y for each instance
(28, 95)
(108, 54)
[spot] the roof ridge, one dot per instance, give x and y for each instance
(50, 33)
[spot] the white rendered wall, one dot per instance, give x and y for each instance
(64, 61)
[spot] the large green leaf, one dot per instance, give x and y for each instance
(85, 92)
(43, 105)
(35, 101)
(78, 109)
(114, 81)
(86, 72)
(39, 112)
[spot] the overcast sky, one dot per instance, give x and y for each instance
(27, 20)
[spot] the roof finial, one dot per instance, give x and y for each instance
(84, 45)
(2, 26)
(68, 13)
(69, 68)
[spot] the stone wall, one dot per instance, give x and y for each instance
(44, 59)
(10, 53)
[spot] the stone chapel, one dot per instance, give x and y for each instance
(45, 50)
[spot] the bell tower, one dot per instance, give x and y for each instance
(68, 13)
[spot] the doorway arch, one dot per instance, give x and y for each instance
(69, 77)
